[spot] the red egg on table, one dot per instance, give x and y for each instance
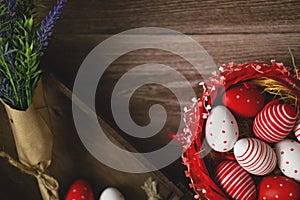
(237, 183)
(255, 156)
(80, 190)
(275, 122)
(244, 101)
(278, 188)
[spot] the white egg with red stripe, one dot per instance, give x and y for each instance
(288, 155)
(274, 122)
(297, 130)
(237, 183)
(255, 156)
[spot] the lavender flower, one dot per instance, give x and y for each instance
(46, 27)
(12, 6)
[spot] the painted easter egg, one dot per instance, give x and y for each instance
(278, 188)
(274, 123)
(221, 129)
(297, 130)
(111, 193)
(288, 155)
(80, 190)
(244, 101)
(237, 183)
(255, 156)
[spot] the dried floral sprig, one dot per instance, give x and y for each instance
(22, 43)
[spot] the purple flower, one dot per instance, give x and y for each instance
(12, 6)
(47, 25)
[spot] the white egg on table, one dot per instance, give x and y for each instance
(255, 156)
(111, 193)
(221, 131)
(288, 156)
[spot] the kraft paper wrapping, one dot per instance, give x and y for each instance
(34, 141)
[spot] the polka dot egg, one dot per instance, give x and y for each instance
(221, 129)
(278, 188)
(80, 190)
(288, 155)
(244, 101)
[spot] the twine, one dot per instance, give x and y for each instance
(48, 185)
(150, 187)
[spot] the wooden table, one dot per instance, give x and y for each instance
(237, 31)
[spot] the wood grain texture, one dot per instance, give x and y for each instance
(187, 16)
(239, 31)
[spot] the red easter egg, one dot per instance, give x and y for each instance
(244, 101)
(80, 190)
(274, 122)
(237, 183)
(278, 188)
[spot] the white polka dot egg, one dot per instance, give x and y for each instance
(288, 155)
(221, 129)
(278, 188)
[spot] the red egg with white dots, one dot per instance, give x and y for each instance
(274, 122)
(288, 156)
(255, 156)
(278, 188)
(237, 183)
(244, 101)
(80, 190)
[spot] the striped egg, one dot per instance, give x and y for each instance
(274, 122)
(297, 130)
(255, 156)
(235, 180)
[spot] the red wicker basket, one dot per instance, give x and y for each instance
(199, 168)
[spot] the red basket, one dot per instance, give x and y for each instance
(198, 167)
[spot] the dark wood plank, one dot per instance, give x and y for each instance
(66, 52)
(65, 55)
(188, 16)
